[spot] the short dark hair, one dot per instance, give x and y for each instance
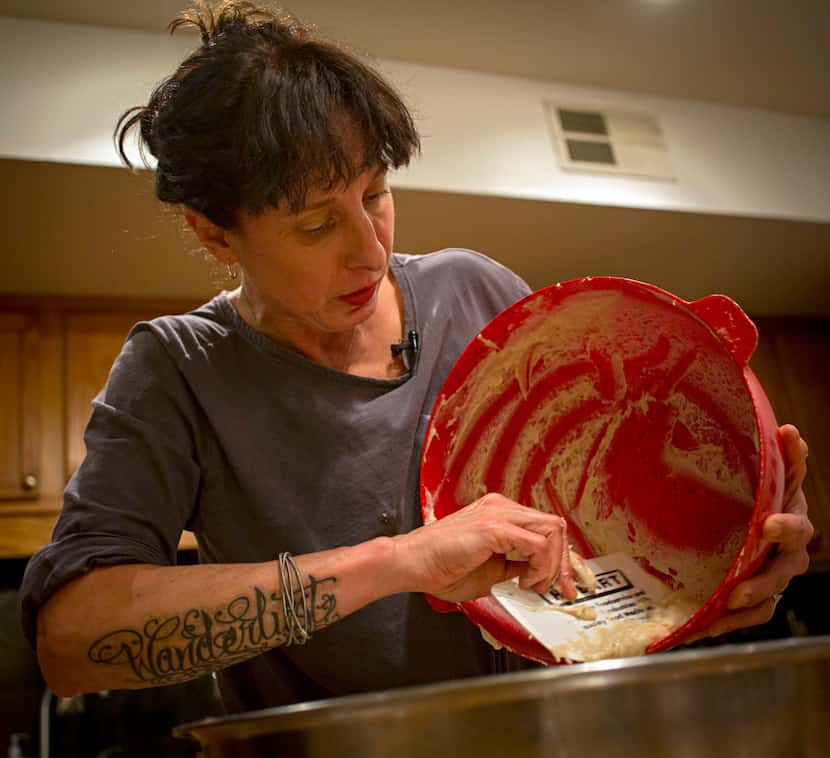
(262, 112)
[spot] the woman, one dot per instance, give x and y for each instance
(285, 418)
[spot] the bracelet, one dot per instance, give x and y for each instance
(300, 627)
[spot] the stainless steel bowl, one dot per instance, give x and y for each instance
(754, 700)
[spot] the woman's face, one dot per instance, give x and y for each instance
(321, 268)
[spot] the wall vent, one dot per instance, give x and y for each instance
(608, 142)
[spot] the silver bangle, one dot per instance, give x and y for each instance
(299, 627)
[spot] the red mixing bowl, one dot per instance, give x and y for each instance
(631, 413)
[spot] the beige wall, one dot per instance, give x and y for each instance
(85, 230)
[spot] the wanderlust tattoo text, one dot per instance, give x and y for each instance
(197, 642)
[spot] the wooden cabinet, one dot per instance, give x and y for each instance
(92, 342)
(56, 353)
(793, 363)
(55, 356)
(19, 405)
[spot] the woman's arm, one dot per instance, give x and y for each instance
(133, 626)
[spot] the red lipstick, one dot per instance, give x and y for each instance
(361, 296)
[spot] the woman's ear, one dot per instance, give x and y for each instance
(213, 237)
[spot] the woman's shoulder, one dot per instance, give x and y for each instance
(159, 350)
(454, 258)
(444, 269)
(184, 335)
(164, 358)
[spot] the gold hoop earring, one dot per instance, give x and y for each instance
(232, 272)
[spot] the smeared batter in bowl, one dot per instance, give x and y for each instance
(634, 426)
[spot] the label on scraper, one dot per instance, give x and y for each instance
(624, 592)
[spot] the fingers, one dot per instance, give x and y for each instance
(584, 578)
(550, 563)
(795, 460)
(791, 531)
(548, 559)
(773, 579)
(739, 619)
(793, 479)
(795, 448)
(560, 574)
(543, 554)
(753, 601)
(461, 556)
(565, 581)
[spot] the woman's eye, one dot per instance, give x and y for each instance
(375, 196)
(320, 229)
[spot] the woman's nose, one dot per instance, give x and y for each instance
(365, 250)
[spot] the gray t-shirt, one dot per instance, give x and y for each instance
(208, 425)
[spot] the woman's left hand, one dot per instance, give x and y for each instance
(753, 601)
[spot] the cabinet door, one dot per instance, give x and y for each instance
(19, 409)
(805, 362)
(793, 364)
(92, 342)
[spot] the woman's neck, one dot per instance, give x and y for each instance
(363, 350)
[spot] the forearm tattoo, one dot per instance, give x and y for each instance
(196, 642)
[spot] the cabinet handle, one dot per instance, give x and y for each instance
(29, 482)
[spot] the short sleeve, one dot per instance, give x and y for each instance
(138, 484)
(477, 286)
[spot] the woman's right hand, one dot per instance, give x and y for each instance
(460, 557)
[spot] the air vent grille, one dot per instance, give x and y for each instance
(605, 141)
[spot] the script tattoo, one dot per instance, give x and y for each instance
(197, 642)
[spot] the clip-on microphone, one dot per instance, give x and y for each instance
(407, 348)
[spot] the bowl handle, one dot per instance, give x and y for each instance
(730, 323)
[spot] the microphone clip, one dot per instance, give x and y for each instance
(407, 348)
